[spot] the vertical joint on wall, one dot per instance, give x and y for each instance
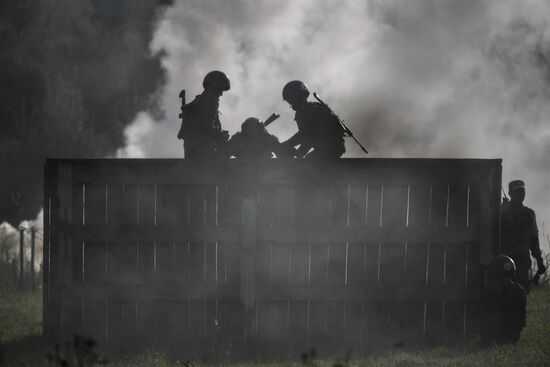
(249, 207)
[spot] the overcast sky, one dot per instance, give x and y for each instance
(415, 78)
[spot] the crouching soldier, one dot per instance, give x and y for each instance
(254, 142)
(504, 304)
(318, 127)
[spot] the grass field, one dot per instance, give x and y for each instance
(20, 315)
(21, 345)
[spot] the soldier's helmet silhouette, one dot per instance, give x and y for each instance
(504, 266)
(295, 91)
(251, 126)
(217, 80)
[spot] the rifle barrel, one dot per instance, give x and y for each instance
(361, 145)
(270, 119)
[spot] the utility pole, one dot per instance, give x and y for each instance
(33, 236)
(21, 255)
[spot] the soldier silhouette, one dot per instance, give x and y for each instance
(318, 127)
(254, 142)
(201, 128)
(519, 233)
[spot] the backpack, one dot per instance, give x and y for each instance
(182, 133)
(330, 118)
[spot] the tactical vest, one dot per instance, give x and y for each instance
(320, 126)
(201, 118)
(517, 226)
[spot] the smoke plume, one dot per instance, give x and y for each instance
(421, 78)
(74, 75)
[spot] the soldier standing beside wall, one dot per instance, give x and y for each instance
(201, 127)
(318, 127)
(519, 233)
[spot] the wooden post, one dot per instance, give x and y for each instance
(21, 256)
(33, 237)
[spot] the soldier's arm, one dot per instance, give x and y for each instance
(229, 149)
(534, 244)
(280, 150)
(535, 248)
(294, 140)
(276, 147)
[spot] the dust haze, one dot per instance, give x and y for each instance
(422, 78)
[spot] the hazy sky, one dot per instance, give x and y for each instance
(415, 78)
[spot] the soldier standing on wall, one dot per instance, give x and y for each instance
(201, 127)
(519, 233)
(318, 127)
(254, 142)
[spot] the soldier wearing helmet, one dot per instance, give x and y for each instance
(504, 301)
(201, 127)
(519, 233)
(318, 127)
(254, 142)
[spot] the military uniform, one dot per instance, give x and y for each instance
(257, 147)
(318, 127)
(519, 236)
(502, 317)
(203, 136)
(505, 304)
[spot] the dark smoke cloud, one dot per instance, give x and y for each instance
(73, 75)
(418, 78)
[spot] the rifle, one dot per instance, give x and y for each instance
(270, 119)
(347, 131)
(182, 114)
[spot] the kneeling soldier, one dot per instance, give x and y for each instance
(254, 142)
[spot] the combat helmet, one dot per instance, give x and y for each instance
(252, 125)
(295, 91)
(216, 79)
